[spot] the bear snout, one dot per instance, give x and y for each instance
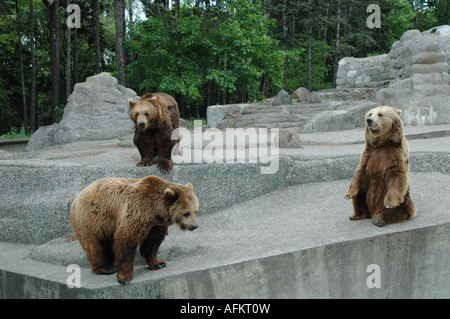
(371, 124)
(193, 227)
(141, 125)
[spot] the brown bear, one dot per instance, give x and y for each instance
(155, 116)
(112, 216)
(381, 183)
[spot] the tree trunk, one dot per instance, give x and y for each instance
(308, 69)
(33, 71)
(68, 61)
(416, 7)
(97, 36)
(285, 46)
(336, 47)
(177, 9)
(56, 60)
(119, 14)
(75, 56)
(325, 35)
(130, 15)
(22, 77)
(54, 39)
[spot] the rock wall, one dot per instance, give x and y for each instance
(96, 110)
(363, 72)
(417, 71)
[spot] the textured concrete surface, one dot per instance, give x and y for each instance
(285, 235)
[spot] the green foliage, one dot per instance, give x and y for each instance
(297, 68)
(14, 134)
(225, 50)
(207, 53)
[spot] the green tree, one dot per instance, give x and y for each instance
(206, 55)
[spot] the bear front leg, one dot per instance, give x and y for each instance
(405, 211)
(144, 145)
(397, 183)
(124, 252)
(149, 247)
(359, 181)
(358, 185)
(165, 163)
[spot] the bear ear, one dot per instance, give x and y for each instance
(190, 185)
(170, 195)
(154, 99)
(398, 111)
(131, 103)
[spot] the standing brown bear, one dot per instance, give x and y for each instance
(155, 116)
(380, 186)
(112, 216)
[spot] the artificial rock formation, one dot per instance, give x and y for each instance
(416, 73)
(96, 110)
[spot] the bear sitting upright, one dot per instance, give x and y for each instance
(155, 116)
(112, 216)
(380, 185)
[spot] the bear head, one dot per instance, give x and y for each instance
(183, 206)
(384, 122)
(150, 111)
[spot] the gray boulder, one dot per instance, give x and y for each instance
(288, 139)
(301, 95)
(315, 97)
(282, 98)
(96, 110)
(216, 114)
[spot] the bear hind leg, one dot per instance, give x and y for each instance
(101, 257)
(360, 209)
(399, 214)
(149, 247)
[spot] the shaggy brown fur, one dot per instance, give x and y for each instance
(155, 117)
(112, 216)
(380, 186)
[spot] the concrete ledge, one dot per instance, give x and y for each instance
(292, 243)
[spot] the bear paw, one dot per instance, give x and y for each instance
(357, 217)
(165, 165)
(157, 265)
(392, 201)
(104, 271)
(378, 221)
(142, 163)
(351, 193)
(124, 278)
(391, 204)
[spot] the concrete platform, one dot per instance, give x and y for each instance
(285, 235)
